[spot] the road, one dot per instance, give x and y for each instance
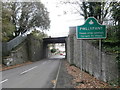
(36, 75)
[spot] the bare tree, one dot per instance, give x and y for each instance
(99, 10)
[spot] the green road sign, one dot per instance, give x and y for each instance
(91, 30)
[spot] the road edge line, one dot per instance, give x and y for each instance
(57, 76)
(3, 81)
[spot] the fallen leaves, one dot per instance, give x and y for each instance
(53, 81)
(83, 79)
(14, 66)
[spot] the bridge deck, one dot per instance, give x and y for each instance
(55, 40)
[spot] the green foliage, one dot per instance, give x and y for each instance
(116, 11)
(53, 50)
(38, 34)
(33, 14)
(7, 26)
(23, 16)
(112, 43)
(116, 16)
(115, 82)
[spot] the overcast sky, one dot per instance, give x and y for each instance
(60, 23)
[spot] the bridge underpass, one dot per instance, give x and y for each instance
(53, 40)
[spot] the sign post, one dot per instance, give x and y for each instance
(91, 29)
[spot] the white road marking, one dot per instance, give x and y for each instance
(28, 70)
(3, 81)
(44, 62)
(57, 76)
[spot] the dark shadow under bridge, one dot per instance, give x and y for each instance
(53, 40)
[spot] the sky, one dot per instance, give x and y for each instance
(60, 23)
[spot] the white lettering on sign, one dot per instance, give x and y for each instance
(91, 28)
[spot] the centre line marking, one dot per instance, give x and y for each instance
(28, 70)
(3, 81)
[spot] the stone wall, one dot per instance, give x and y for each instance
(29, 50)
(0, 52)
(35, 48)
(84, 55)
(17, 56)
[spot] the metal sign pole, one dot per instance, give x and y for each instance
(81, 44)
(100, 55)
(91, 29)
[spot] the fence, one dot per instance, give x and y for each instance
(8, 46)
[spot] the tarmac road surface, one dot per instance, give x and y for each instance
(36, 75)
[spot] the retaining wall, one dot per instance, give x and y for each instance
(29, 50)
(0, 52)
(8, 46)
(84, 55)
(35, 48)
(17, 56)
